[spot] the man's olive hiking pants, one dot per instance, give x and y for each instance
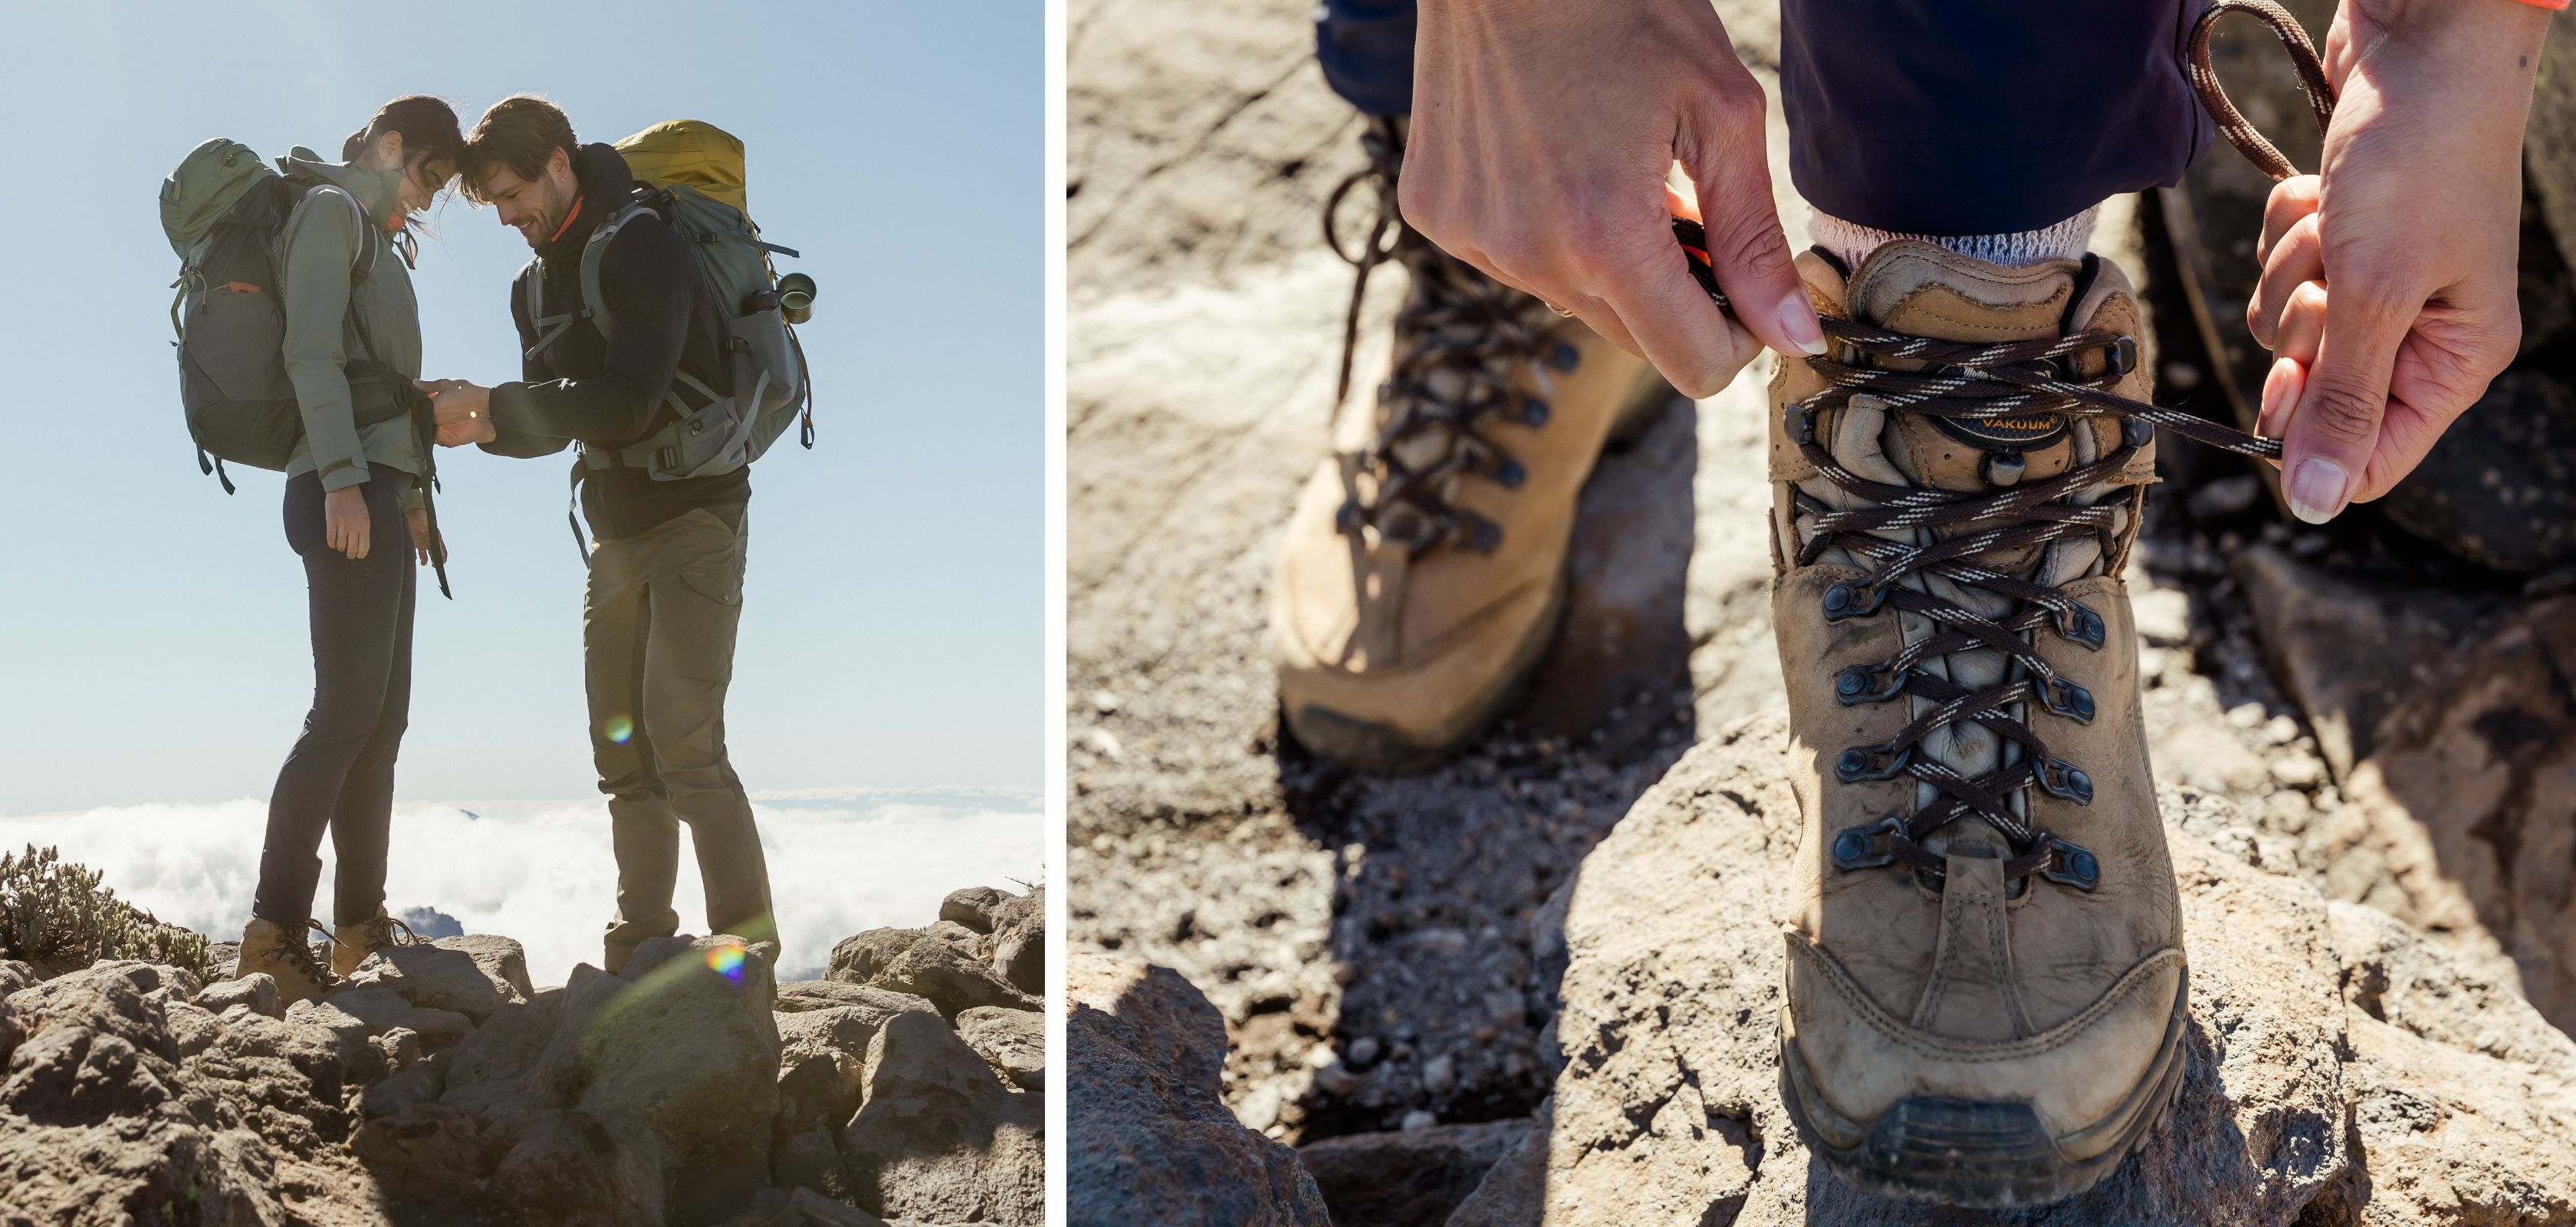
(657, 646)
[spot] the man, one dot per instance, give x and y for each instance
(666, 559)
(1985, 991)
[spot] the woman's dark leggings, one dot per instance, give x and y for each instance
(340, 776)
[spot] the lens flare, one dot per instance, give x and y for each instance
(619, 729)
(727, 962)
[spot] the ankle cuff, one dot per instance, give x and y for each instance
(1851, 242)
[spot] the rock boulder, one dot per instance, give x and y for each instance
(2299, 1104)
(939, 1138)
(913, 961)
(1151, 1140)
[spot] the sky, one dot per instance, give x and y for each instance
(153, 635)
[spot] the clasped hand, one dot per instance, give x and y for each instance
(463, 410)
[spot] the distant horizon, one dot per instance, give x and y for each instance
(540, 871)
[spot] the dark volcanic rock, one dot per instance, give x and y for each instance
(1150, 1143)
(2499, 489)
(1413, 1178)
(940, 1139)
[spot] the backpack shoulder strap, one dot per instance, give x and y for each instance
(550, 328)
(364, 262)
(593, 252)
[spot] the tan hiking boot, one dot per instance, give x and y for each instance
(351, 944)
(1985, 992)
(1424, 567)
(284, 955)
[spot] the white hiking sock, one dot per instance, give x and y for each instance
(1851, 243)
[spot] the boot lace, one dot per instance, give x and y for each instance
(297, 952)
(378, 933)
(1979, 381)
(1459, 340)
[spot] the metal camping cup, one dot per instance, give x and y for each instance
(796, 297)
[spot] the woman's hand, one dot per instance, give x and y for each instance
(344, 521)
(1541, 135)
(2388, 281)
(421, 542)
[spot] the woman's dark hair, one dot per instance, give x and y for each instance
(429, 134)
(520, 132)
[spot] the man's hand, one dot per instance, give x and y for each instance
(2388, 281)
(1541, 135)
(458, 400)
(466, 430)
(421, 542)
(344, 521)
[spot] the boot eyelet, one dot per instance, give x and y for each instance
(2069, 700)
(1858, 684)
(2072, 865)
(1510, 474)
(1483, 536)
(1860, 763)
(2066, 781)
(1858, 847)
(1849, 600)
(2137, 432)
(1533, 412)
(1565, 356)
(2079, 623)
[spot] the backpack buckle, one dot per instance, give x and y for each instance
(667, 458)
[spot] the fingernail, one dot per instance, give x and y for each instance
(1799, 321)
(2317, 489)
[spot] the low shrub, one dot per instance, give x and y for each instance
(54, 911)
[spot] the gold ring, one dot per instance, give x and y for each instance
(1559, 310)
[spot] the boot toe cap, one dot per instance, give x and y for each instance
(2086, 1079)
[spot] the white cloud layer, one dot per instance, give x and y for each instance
(541, 872)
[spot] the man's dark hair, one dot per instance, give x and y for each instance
(520, 133)
(428, 127)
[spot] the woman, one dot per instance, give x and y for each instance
(354, 514)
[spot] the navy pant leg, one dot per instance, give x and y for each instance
(1366, 48)
(1922, 116)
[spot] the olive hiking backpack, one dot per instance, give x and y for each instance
(690, 174)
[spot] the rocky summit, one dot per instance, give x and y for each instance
(437, 1086)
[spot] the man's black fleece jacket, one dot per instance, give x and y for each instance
(607, 392)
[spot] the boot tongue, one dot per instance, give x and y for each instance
(1925, 290)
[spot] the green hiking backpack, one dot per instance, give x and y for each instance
(689, 174)
(223, 210)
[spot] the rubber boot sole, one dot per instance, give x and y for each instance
(1983, 1154)
(1376, 748)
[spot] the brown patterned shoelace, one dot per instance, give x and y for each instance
(2011, 380)
(1459, 341)
(379, 931)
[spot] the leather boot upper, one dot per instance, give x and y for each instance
(1952, 976)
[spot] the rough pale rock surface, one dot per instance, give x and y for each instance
(1012, 1041)
(917, 962)
(939, 1137)
(2342, 1069)
(1150, 1142)
(655, 1099)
